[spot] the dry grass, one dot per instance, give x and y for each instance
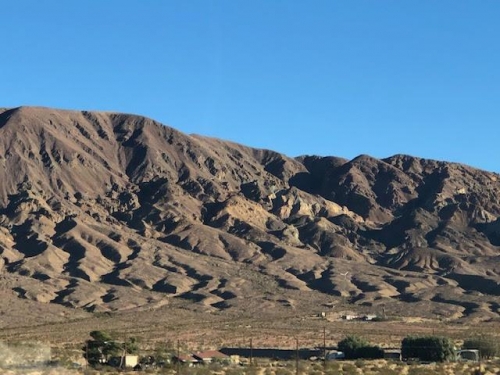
(376, 367)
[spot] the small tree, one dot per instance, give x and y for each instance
(350, 345)
(428, 348)
(131, 346)
(487, 346)
(162, 353)
(357, 347)
(100, 348)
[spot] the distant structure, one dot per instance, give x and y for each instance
(366, 318)
(210, 356)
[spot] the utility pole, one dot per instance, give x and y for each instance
(297, 356)
(178, 357)
(124, 353)
(251, 352)
(324, 348)
(87, 353)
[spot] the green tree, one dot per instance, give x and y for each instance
(131, 346)
(370, 352)
(357, 347)
(350, 345)
(428, 348)
(100, 347)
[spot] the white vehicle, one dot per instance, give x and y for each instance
(334, 355)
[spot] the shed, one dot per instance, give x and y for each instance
(130, 360)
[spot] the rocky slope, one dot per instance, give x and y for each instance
(106, 211)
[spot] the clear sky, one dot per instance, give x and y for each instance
(332, 77)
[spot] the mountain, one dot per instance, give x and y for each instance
(108, 212)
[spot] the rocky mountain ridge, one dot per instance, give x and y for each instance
(105, 211)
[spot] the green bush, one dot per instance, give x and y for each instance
(355, 347)
(428, 348)
(371, 352)
(487, 346)
(350, 345)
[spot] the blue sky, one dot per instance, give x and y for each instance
(301, 77)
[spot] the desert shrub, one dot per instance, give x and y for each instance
(386, 371)
(417, 370)
(349, 369)
(428, 348)
(252, 370)
(235, 371)
(333, 366)
(487, 346)
(317, 365)
(381, 319)
(200, 370)
(360, 363)
(282, 371)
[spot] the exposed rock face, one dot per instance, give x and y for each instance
(109, 211)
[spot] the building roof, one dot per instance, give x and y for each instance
(209, 354)
(187, 358)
